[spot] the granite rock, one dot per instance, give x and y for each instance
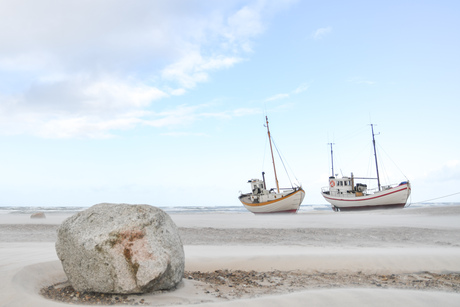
(121, 248)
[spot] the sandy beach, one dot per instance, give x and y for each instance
(406, 257)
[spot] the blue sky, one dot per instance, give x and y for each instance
(163, 102)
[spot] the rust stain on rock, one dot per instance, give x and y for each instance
(133, 246)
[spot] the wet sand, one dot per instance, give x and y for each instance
(398, 257)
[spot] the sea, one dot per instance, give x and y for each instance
(186, 209)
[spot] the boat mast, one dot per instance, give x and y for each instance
(332, 158)
(273, 159)
(375, 154)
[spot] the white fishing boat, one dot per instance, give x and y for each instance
(344, 194)
(262, 200)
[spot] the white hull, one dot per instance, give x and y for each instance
(262, 200)
(284, 203)
(395, 197)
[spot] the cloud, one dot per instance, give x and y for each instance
(193, 68)
(242, 25)
(321, 32)
(277, 97)
(301, 89)
(84, 127)
(180, 116)
(183, 134)
(246, 111)
(81, 68)
(298, 90)
(184, 115)
(77, 107)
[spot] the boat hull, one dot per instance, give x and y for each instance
(289, 203)
(395, 197)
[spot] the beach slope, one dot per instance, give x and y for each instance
(380, 258)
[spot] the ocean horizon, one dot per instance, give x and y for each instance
(5, 209)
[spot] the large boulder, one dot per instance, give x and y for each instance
(121, 248)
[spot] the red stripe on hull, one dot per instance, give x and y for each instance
(363, 197)
(293, 211)
(363, 208)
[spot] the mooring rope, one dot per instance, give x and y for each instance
(424, 201)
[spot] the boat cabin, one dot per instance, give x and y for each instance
(345, 185)
(257, 186)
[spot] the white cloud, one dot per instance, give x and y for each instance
(177, 92)
(301, 89)
(180, 116)
(185, 115)
(243, 25)
(277, 97)
(193, 68)
(246, 111)
(298, 90)
(183, 134)
(76, 107)
(83, 68)
(84, 127)
(109, 94)
(321, 32)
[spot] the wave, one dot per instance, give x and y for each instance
(185, 209)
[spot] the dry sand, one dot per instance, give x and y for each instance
(408, 257)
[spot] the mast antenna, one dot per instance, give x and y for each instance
(332, 158)
(375, 154)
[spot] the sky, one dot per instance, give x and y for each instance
(164, 102)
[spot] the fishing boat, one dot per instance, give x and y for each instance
(263, 200)
(345, 194)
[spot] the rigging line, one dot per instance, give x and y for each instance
(291, 171)
(338, 161)
(388, 156)
(282, 161)
(360, 153)
(350, 135)
(384, 173)
(436, 198)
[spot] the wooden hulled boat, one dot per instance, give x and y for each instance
(262, 200)
(344, 194)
